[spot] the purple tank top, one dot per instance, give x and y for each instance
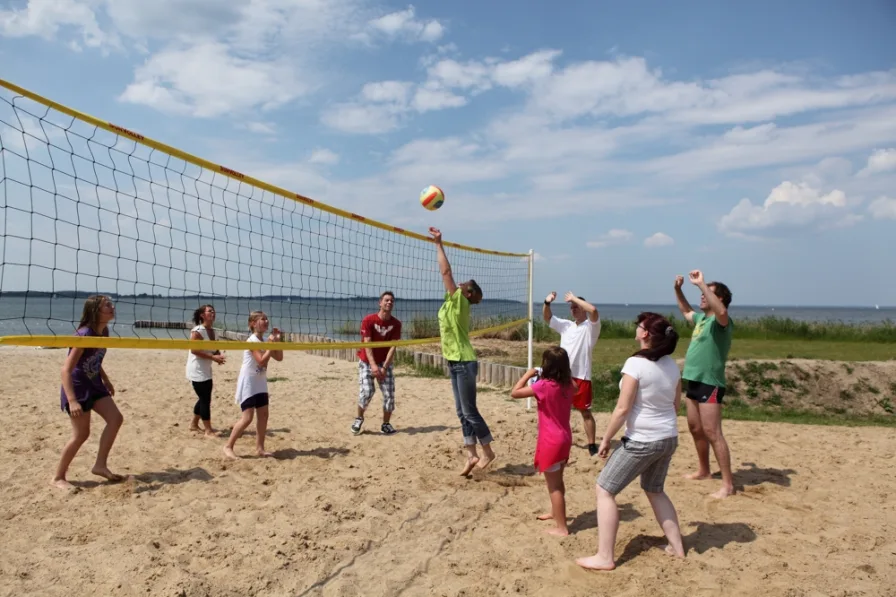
(86, 375)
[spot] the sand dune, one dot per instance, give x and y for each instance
(335, 514)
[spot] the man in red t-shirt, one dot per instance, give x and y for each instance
(376, 363)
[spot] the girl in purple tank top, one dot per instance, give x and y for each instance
(85, 388)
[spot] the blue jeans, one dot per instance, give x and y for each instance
(463, 384)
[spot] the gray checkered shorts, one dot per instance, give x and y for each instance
(368, 388)
(650, 460)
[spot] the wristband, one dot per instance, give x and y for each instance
(548, 303)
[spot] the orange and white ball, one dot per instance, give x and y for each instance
(432, 198)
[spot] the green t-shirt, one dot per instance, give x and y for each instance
(708, 351)
(454, 328)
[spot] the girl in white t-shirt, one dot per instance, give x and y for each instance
(199, 368)
(649, 397)
(252, 385)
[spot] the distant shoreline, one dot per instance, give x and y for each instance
(287, 297)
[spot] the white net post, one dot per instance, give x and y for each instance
(531, 314)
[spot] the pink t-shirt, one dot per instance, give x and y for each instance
(554, 433)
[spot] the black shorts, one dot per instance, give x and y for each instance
(256, 401)
(87, 404)
(705, 393)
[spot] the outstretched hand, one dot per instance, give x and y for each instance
(436, 234)
(550, 297)
(679, 282)
(696, 277)
(569, 297)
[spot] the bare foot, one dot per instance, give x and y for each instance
(548, 516)
(63, 484)
(487, 458)
(264, 454)
(229, 453)
(557, 532)
(195, 428)
(210, 433)
(723, 493)
(596, 562)
(108, 475)
(471, 462)
(697, 476)
(671, 552)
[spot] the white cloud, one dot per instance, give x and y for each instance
(883, 208)
(324, 156)
(404, 24)
(262, 128)
(881, 160)
(208, 80)
(658, 240)
(372, 119)
(613, 237)
(47, 19)
(790, 206)
(426, 100)
(387, 91)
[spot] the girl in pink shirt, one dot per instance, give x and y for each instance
(553, 393)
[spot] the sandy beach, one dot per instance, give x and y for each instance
(334, 514)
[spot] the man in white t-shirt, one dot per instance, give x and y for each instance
(578, 338)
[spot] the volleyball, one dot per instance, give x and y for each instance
(432, 198)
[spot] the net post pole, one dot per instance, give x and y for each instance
(531, 314)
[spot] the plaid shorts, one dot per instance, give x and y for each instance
(650, 460)
(368, 388)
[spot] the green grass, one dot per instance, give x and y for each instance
(347, 328)
(605, 389)
(274, 379)
(610, 351)
(763, 328)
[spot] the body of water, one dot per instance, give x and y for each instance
(44, 315)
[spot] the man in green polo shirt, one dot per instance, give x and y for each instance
(454, 328)
(704, 371)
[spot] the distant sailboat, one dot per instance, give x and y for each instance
(877, 306)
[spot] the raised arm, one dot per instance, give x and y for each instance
(546, 312)
(522, 389)
(683, 305)
(712, 301)
(587, 307)
(444, 266)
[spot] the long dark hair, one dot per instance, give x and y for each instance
(555, 365)
(661, 336)
(198, 313)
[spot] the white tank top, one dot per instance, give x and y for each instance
(253, 379)
(199, 369)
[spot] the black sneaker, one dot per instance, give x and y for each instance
(356, 426)
(388, 429)
(592, 449)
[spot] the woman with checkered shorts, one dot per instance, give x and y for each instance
(649, 397)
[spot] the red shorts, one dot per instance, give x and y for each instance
(582, 398)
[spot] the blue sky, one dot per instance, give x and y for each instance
(624, 142)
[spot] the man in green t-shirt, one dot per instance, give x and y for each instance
(704, 371)
(454, 329)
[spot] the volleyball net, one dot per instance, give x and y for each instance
(88, 207)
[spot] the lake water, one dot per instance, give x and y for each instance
(44, 315)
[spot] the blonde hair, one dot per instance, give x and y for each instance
(90, 316)
(253, 317)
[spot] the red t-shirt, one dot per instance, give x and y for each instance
(379, 331)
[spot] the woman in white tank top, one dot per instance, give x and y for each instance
(199, 368)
